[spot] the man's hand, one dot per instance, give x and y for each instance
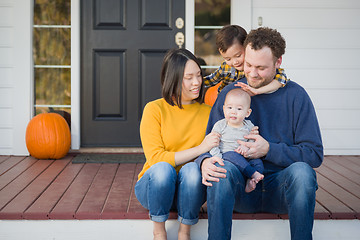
(210, 172)
(258, 148)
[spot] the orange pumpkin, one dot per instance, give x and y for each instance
(211, 94)
(48, 136)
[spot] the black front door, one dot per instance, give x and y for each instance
(123, 44)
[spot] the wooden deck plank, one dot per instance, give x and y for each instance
(118, 199)
(41, 208)
(34, 190)
(135, 209)
(10, 162)
(10, 173)
(92, 205)
(345, 162)
(15, 209)
(342, 181)
(342, 195)
(4, 158)
(21, 182)
(72, 198)
(337, 209)
(334, 166)
(321, 212)
(354, 159)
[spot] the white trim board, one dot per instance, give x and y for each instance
(142, 229)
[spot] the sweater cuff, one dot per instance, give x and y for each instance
(272, 151)
(201, 158)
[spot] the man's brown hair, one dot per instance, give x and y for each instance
(266, 37)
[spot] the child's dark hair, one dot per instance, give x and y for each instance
(227, 35)
(172, 74)
(266, 37)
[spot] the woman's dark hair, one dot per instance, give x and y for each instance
(227, 35)
(172, 74)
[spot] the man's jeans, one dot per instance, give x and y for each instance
(291, 190)
(160, 190)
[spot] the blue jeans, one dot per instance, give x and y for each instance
(160, 190)
(290, 190)
(246, 166)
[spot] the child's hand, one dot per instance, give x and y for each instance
(241, 149)
(250, 90)
(211, 140)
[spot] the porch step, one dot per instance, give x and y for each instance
(142, 229)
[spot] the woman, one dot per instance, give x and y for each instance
(172, 131)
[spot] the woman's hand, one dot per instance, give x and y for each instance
(211, 140)
(210, 172)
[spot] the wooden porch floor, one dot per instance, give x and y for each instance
(48, 189)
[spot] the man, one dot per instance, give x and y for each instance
(289, 144)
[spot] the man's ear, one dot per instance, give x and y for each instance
(278, 62)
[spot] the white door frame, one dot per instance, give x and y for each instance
(243, 19)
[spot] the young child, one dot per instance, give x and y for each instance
(229, 42)
(232, 128)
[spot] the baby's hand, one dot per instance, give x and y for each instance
(210, 141)
(254, 130)
(241, 149)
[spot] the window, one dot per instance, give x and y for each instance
(52, 57)
(210, 16)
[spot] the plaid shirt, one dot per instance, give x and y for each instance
(226, 74)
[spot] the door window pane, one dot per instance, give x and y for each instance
(210, 16)
(52, 86)
(51, 54)
(52, 46)
(54, 12)
(212, 12)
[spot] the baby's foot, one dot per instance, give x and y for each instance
(250, 185)
(257, 176)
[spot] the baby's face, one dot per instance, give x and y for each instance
(236, 110)
(234, 56)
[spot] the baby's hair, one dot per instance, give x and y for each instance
(229, 34)
(240, 93)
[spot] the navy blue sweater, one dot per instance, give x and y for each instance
(286, 119)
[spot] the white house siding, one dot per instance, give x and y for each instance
(322, 55)
(15, 75)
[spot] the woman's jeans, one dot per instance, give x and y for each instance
(290, 190)
(160, 190)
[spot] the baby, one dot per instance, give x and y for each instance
(232, 128)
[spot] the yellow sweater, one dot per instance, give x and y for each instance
(166, 129)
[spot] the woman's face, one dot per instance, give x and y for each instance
(191, 83)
